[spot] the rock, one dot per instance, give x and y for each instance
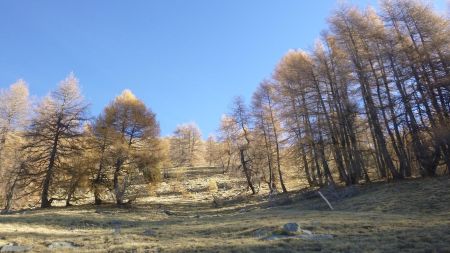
(292, 231)
(149, 232)
(304, 231)
(62, 245)
(291, 227)
(168, 212)
(276, 237)
(14, 248)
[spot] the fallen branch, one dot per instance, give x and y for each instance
(326, 200)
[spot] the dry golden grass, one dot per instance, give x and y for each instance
(408, 216)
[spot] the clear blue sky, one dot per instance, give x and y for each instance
(185, 59)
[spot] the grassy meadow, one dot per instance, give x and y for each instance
(406, 216)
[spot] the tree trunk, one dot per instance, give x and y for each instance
(10, 196)
(246, 171)
(277, 148)
(45, 202)
(117, 191)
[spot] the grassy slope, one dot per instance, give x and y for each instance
(408, 216)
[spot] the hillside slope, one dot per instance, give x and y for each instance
(406, 216)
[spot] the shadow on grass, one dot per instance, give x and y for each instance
(432, 239)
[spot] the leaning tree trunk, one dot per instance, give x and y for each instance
(45, 202)
(10, 196)
(246, 171)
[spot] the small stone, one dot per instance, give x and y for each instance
(291, 227)
(62, 245)
(168, 212)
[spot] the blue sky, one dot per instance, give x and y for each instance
(185, 59)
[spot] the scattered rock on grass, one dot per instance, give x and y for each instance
(168, 212)
(11, 248)
(290, 231)
(291, 227)
(62, 245)
(307, 232)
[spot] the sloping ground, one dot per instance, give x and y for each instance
(418, 196)
(407, 216)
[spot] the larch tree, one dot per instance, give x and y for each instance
(54, 134)
(419, 59)
(127, 141)
(14, 105)
(186, 145)
(303, 113)
(227, 139)
(211, 151)
(334, 79)
(371, 100)
(242, 120)
(350, 26)
(268, 126)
